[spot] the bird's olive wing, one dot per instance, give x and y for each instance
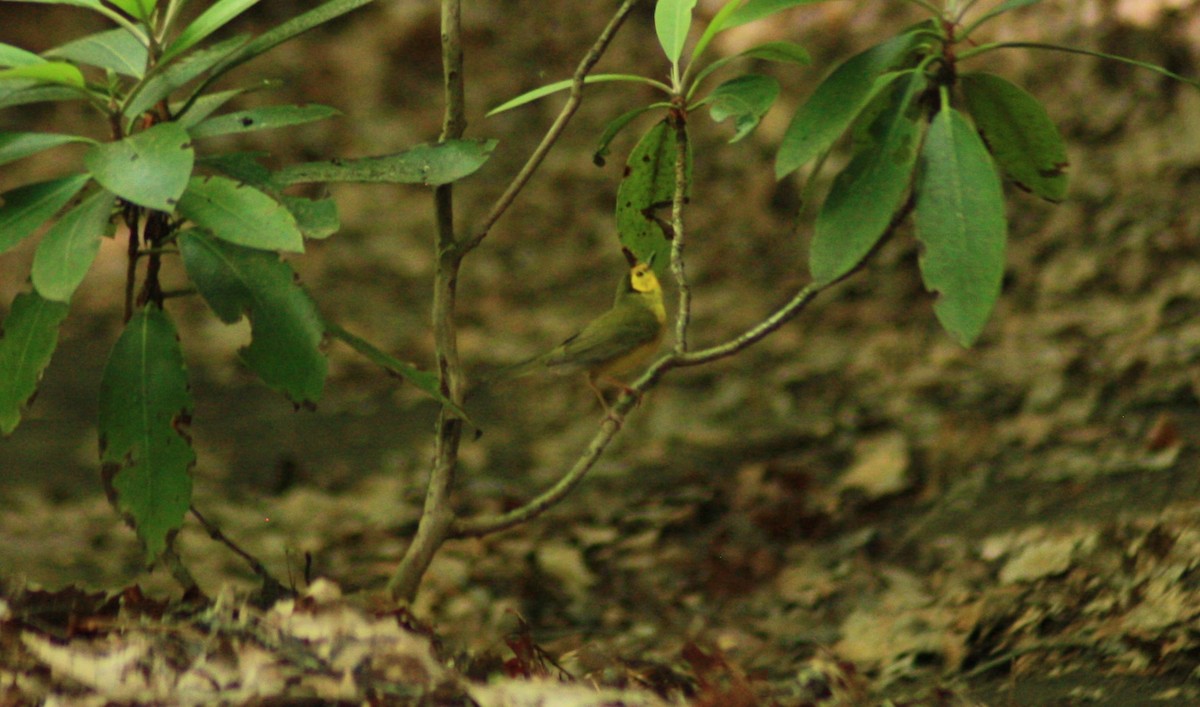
(612, 334)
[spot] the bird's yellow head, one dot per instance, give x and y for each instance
(642, 279)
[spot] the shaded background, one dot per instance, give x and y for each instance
(857, 443)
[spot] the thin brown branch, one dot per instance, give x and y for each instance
(437, 514)
(271, 586)
(683, 314)
(575, 97)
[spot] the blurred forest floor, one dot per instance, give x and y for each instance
(854, 510)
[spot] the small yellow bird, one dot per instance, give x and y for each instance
(614, 344)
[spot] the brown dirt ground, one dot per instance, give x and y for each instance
(856, 510)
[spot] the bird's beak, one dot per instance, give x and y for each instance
(650, 260)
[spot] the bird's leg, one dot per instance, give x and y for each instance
(608, 413)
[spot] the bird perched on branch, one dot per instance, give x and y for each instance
(614, 344)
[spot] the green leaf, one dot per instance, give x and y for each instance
(959, 218)
(282, 33)
(150, 168)
(746, 99)
(146, 454)
(162, 84)
(718, 23)
(29, 337)
(780, 52)
(55, 72)
(16, 56)
(265, 118)
(647, 188)
(837, 101)
(866, 195)
(758, 9)
(672, 19)
(214, 18)
(1019, 133)
(616, 126)
(424, 380)
(242, 166)
(317, 218)
(137, 9)
(114, 49)
(14, 146)
(197, 111)
(19, 94)
(25, 208)
(431, 164)
(543, 91)
(67, 250)
(240, 214)
(286, 329)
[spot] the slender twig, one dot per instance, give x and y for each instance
(683, 314)
(575, 97)
(437, 514)
(270, 584)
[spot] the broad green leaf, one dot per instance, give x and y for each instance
(543, 91)
(265, 118)
(430, 164)
(615, 126)
(1019, 133)
(240, 214)
(55, 72)
(672, 19)
(746, 99)
(866, 195)
(29, 337)
(718, 23)
(162, 84)
(16, 56)
(150, 168)
(25, 208)
(646, 193)
(146, 454)
(242, 166)
(19, 94)
(959, 218)
(317, 218)
(282, 33)
(67, 250)
(837, 101)
(1006, 6)
(114, 49)
(14, 146)
(781, 52)
(214, 18)
(758, 9)
(286, 329)
(424, 380)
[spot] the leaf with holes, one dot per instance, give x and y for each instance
(645, 194)
(959, 218)
(145, 408)
(150, 168)
(286, 329)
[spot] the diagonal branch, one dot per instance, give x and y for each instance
(556, 129)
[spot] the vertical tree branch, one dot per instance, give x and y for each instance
(683, 315)
(437, 515)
